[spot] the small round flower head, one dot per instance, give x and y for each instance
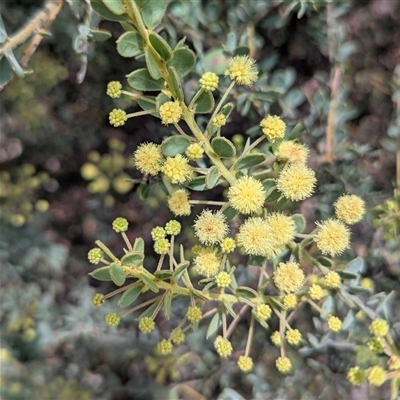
(98, 299)
(194, 151)
(276, 339)
(394, 363)
(146, 325)
(316, 292)
(164, 347)
(170, 112)
(247, 195)
(273, 127)
(356, 376)
(255, 237)
(263, 311)
(283, 229)
(367, 283)
(245, 364)
(117, 117)
(290, 301)
(210, 227)
(177, 169)
(120, 224)
(207, 262)
(283, 364)
(288, 277)
(173, 227)
(349, 209)
(333, 237)
(148, 158)
(296, 182)
(161, 246)
(228, 245)
(375, 344)
(223, 279)
(157, 233)
(219, 120)
(334, 323)
(292, 152)
(89, 171)
(114, 89)
(332, 280)
(223, 346)
(194, 314)
(177, 336)
(379, 327)
(293, 337)
(209, 81)
(95, 255)
(178, 202)
(376, 376)
(112, 319)
(242, 70)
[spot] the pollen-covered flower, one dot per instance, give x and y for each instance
(245, 363)
(98, 299)
(194, 151)
(177, 169)
(375, 344)
(288, 277)
(164, 347)
(161, 246)
(95, 255)
(293, 337)
(242, 70)
(194, 314)
(219, 120)
(292, 152)
(255, 237)
(117, 117)
(290, 301)
(379, 327)
(114, 89)
(333, 237)
(210, 227)
(158, 232)
(170, 112)
(283, 229)
(296, 182)
(178, 336)
(228, 245)
(173, 227)
(334, 323)
(273, 127)
(120, 224)
(247, 195)
(178, 202)
(283, 364)
(223, 346)
(223, 279)
(209, 81)
(350, 209)
(276, 339)
(146, 324)
(376, 376)
(263, 311)
(332, 280)
(316, 292)
(112, 319)
(148, 158)
(207, 262)
(356, 376)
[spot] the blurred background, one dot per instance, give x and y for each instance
(66, 174)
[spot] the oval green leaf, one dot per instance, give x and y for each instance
(153, 13)
(215, 323)
(103, 11)
(117, 274)
(212, 177)
(180, 269)
(115, 6)
(163, 275)
(204, 103)
(183, 60)
(149, 283)
(133, 259)
(129, 296)
(249, 160)
(229, 213)
(130, 44)
(300, 222)
(151, 64)
(99, 35)
(223, 147)
(246, 292)
(174, 145)
(160, 46)
(138, 245)
(296, 131)
(176, 88)
(198, 184)
(101, 274)
(142, 80)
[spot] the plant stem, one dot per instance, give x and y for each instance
(140, 113)
(249, 337)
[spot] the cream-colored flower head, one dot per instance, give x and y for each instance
(247, 195)
(178, 202)
(292, 152)
(209, 81)
(296, 182)
(148, 158)
(177, 169)
(350, 209)
(207, 262)
(288, 277)
(283, 229)
(255, 237)
(242, 70)
(332, 237)
(170, 112)
(273, 127)
(210, 227)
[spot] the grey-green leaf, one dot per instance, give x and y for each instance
(117, 274)
(204, 103)
(249, 160)
(101, 274)
(174, 145)
(133, 259)
(215, 323)
(223, 147)
(129, 296)
(130, 44)
(300, 222)
(160, 46)
(142, 80)
(153, 13)
(212, 177)
(149, 283)
(183, 60)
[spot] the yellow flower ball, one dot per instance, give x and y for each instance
(376, 376)
(117, 117)
(283, 364)
(276, 339)
(148, 158)
(114, 89)
(170, 112)
(207, 262)
(209, 81)
(332, 280)
(273, 127)
(219, 120)
(242, 70)
(293, 337)
(89, 171)
(245, 364)
(178, 336)
(247, 195)
(177, 169)
(164, 347)
(290, 301)
(210, 227)
(146, 324)
(194, 314)
(178, 202)
(292, 152)
(379, 327)
(283, 229)
(223, 346)
(223, 279)
(356, 376)
(316, 292)
(194, 151)
(288, 277)
(334, 323)
(263, 311)
(333, 237)
(350, 209)
(228, 245)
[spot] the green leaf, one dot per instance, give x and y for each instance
(130, 44)
(143, 190)
(174, 145)
(117, 274)
(246, 292)
(148, 103)
(163, 275)
(249, 160)
(149, 283)
(281, 204)
(215, 323)
(167, 305)
(179, 270)
(133, 259)
(6, 73)
(348, 275)
(138, 245)
(325, 261)
(153, 13)
(105, 12)
(129, 296)
(198, 184)
(149, 311)
(269, 184)
(204, 103)
(230, 213)
(176, 88)
(300, 222)
(275, 195)
(328, 305)
(101, 274)
(151, 64)
(160, 46)
(183, 60)
(115, 6)
(355, 266)
(223, 147)
(227, 109)
(256, 260)
(142, 80)
(99, 35)
(212, 177)
(296, 131)
(14, 64)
